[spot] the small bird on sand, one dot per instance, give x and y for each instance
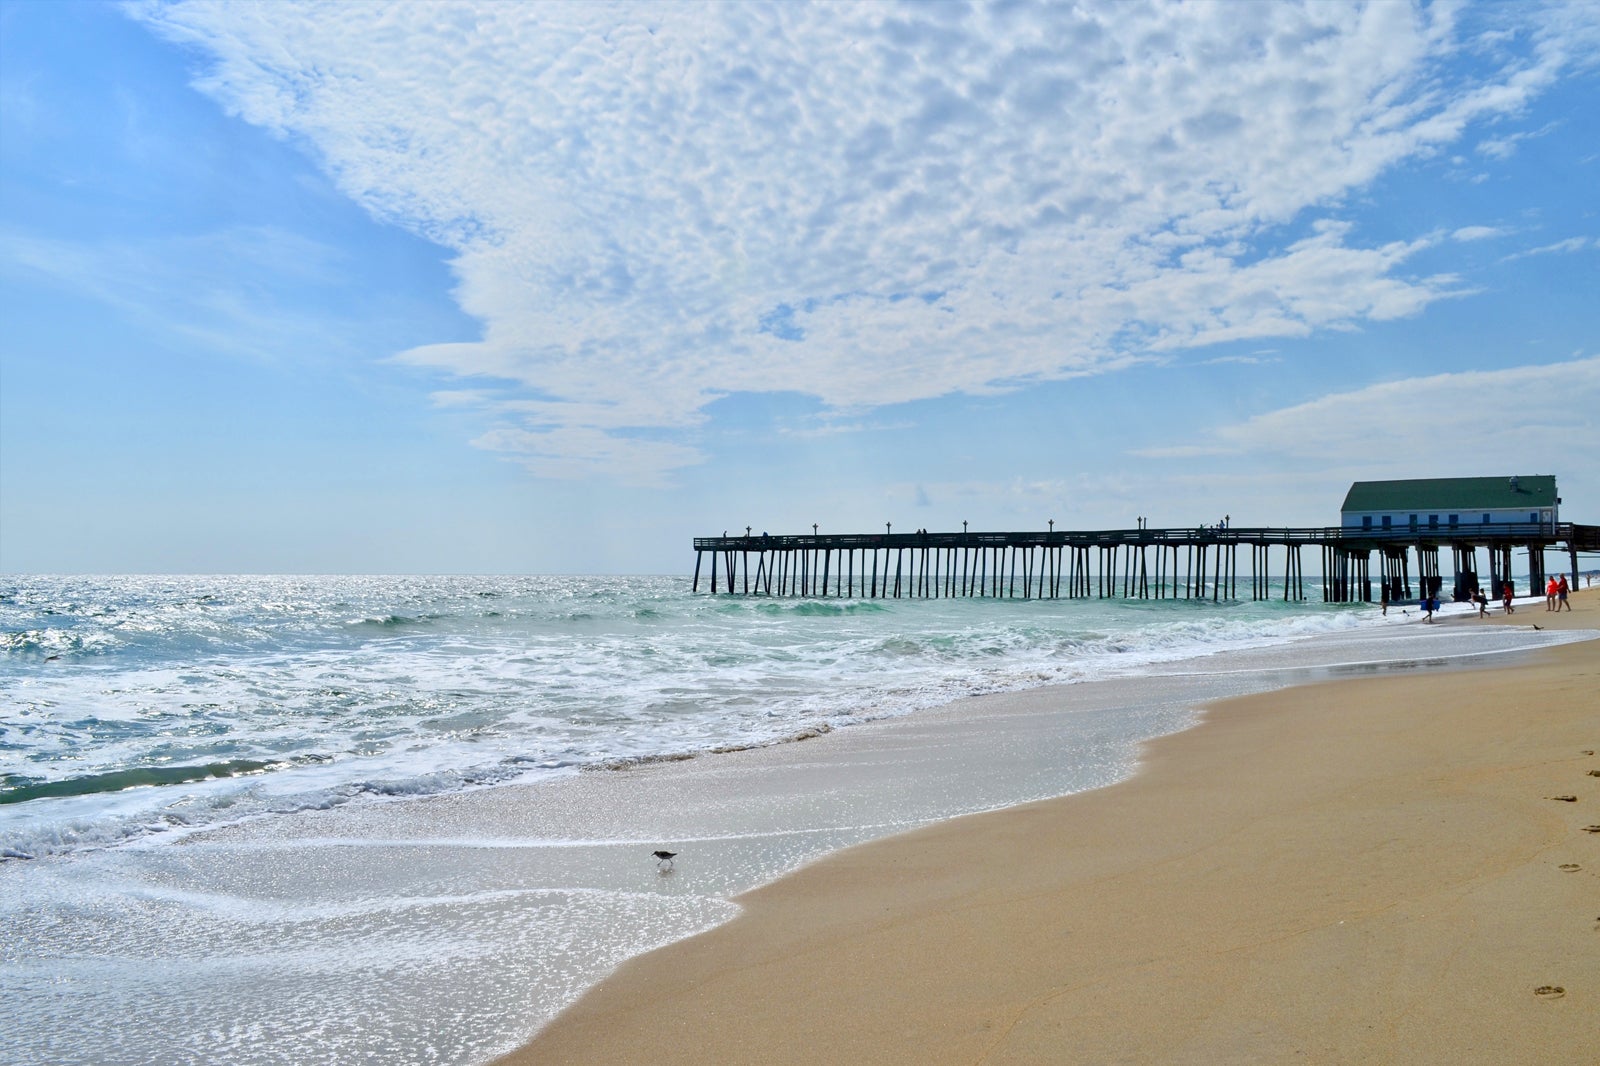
(664, 858)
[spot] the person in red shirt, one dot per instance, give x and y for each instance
(1550, 595)
(1561, 594)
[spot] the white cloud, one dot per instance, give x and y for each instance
(1477, 233)
(1571, 244)
(655, 205)
(1529, 418)
(231, 291)
(1522, 420)
(1505, 147)
(1258, 359)
(832, 428)
(573, 451)
(461, 397)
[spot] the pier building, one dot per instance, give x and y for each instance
(1427, 520)
(1451, 502)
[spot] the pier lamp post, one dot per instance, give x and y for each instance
(887, 526)
(963, 525)
(747, 531)
(813, 529)
(1052, 525)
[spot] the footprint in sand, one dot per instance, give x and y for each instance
(1550, 991)
(1563, 799)
(1594, 773)
(1569, 867)
(1591, 829)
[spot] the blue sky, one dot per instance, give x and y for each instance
(555, 288)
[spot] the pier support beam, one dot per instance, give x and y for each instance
(1193, 563)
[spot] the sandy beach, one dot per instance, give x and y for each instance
(1392, 869)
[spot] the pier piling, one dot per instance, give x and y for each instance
(1189, 563)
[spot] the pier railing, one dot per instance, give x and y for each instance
(1192, 562)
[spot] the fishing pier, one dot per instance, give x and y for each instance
(1196, 563)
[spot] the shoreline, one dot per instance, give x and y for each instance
(1354, 870)
(467, 920)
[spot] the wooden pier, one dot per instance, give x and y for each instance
(1133, 563)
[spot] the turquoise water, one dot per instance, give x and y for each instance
(140, 705)
(405, 820)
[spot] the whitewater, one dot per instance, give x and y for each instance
(407, 819)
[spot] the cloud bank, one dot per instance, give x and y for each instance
(1528, 417)
(651, 206)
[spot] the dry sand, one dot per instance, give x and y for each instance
(1378, 870)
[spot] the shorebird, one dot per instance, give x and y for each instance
(664, 858)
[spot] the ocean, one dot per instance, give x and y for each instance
(407, 819)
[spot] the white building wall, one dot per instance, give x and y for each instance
(1442, 519)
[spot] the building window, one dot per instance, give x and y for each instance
(1387, 522)
(1413, 521)
(1433, 520)
(1366, 521)
(1486, 518)
(1533, 516)
(1455, 520)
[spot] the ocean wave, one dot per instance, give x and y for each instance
(21, 790)
(423, 685)
(395, 621)
(807, 608)
(52, 642)
(115, 809)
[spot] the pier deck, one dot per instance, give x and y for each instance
(1198, 562)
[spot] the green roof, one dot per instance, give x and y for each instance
(1453, 494)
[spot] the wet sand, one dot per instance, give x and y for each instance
(1373, 870)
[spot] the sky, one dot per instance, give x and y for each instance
(555, 288)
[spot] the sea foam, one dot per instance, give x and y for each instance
(458, 839)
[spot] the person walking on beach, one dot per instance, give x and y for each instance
(1384, 599)
(1427, 607)
(1482, 601)
(1550, 595)
(1561, 594)
(1506, 593)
